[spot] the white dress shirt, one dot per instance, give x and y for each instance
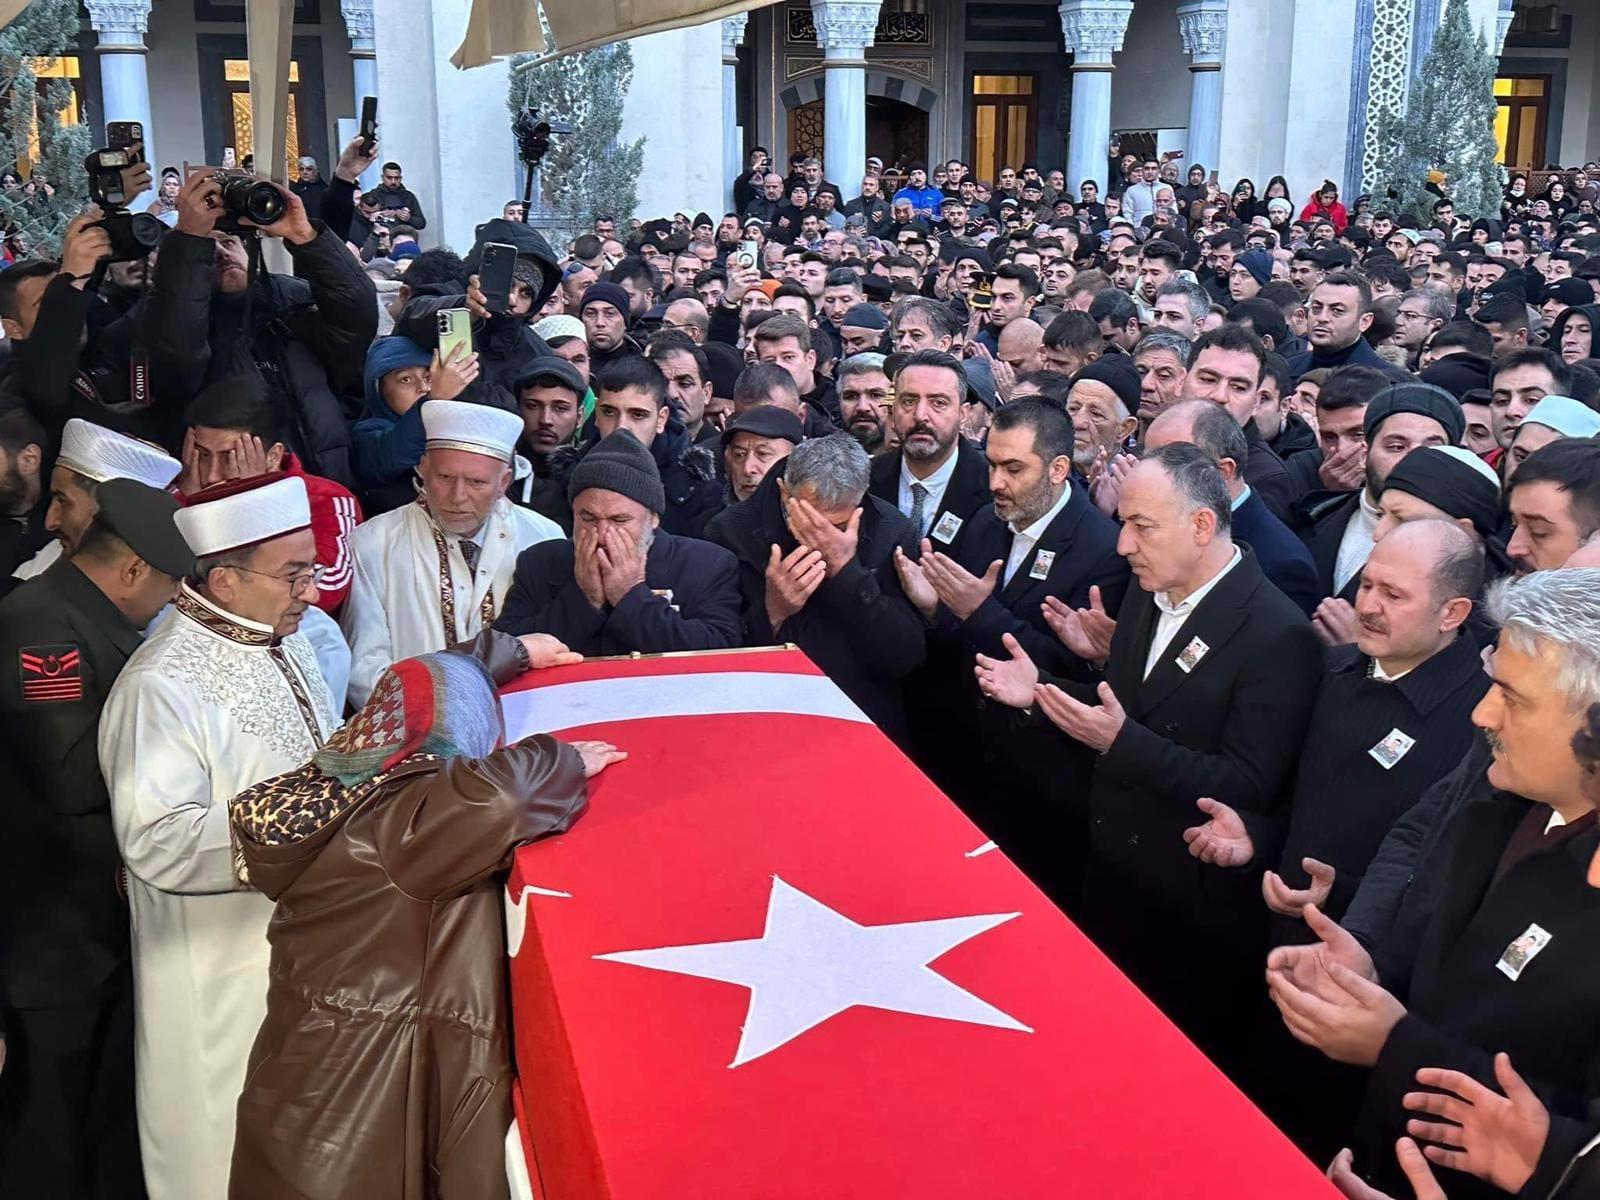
(1024, 540)
(1174, 615)
(935, 485)
(1356, 545)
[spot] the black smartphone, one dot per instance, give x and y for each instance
(495, 270)
(369, 121)
(125, 136)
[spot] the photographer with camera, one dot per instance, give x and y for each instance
(69, 350)
(304, 336)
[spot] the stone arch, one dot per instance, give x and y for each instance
(810, 87)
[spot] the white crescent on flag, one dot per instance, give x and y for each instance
(594, 702)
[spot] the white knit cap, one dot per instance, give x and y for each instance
(240, 516)
(559, 326)
(1462, 455)
(101, 454)
(475, 428)
(1568, 417)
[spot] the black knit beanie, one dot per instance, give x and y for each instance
(620, 463)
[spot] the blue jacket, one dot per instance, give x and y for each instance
(1284, 559)
(926, 199)
(385, 447)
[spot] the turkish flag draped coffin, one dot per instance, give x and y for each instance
(772, 960)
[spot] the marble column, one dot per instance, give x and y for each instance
(732, 136)
(845, 29)
(358, 25)
(124, 82)
(1203, 26)
(1092, 31)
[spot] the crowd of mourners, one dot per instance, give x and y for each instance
(1228, 557)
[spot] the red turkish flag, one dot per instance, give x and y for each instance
(773, 960)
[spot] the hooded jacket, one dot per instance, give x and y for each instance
(383, 1067)
(1559, 326)
(504, 342)
(688, 475)
(387, 447)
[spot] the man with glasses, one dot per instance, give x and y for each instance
(224, 694)
(1423, 312)
(437, 572)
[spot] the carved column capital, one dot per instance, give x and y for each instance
(845, 28)
(121, 24)
(1093, 29)
(1203, 26)
(733, 35)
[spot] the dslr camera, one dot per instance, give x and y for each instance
(133, 235)
(245, 196)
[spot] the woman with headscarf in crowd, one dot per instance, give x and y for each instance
(1515, 202)
(1561, 204)
(1244, 202)
(383, 1067)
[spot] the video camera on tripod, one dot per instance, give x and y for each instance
(532, 133)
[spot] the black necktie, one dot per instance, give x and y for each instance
(470, 552)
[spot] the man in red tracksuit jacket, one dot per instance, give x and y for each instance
(234, 433)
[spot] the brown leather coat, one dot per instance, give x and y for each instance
(383, 1069)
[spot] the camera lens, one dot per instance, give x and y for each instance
(254, 199)
(145, 230)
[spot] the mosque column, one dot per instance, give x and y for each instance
(1092, 31)
(124, 81)
(358, 25)
(844, 31)
(732, 136)
(1203, 26)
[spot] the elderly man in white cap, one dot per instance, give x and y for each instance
(436, 572)
(90, 455)
(221, 696)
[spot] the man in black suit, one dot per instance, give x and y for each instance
(1040, 540)
(937, 479)
(623, 584)
(1506, 963)
(1284, 559)
(1210, 678)
(816, 568)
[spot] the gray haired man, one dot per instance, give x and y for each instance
(816, 568)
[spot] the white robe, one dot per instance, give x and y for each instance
(395, 610)
(40, 562)
(207, 707)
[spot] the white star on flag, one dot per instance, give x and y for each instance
(812, 963)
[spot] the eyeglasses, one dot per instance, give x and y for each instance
(297, 583)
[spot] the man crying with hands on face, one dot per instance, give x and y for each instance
(623, 584)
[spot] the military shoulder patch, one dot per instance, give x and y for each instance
(50, 674)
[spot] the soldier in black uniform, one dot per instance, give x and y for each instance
(67, 1123)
